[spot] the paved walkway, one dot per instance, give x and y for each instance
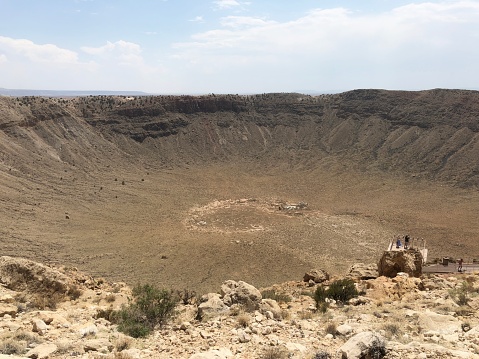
(451, 268)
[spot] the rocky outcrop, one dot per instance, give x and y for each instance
(240, 293)
(24, 275)
(406, 261)
(211, 305)
(390, 321)
(363, 271)
(364, 345)
(316, 276)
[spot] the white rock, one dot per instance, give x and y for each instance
(222, 353)
(8, 309)
(39, 326)
(88, 329)
(344, 329)
(357, 346)
(42, 351)
(296, 347)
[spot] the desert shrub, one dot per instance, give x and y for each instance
(462, 294)
(320, 295)
(275, 353)
(342, 290)
(64, 348)
(12, 347)
(186, 296)
(150, 307)
(392, 330)
(305, 314)
(332, 329)
(279, 297)
(243, 320)
(43, 301)
(285, 314)
(28, 337)
(464, 311)
(322, 355)
(322, 307)
(122, 343)
(377, 350)
(108, 314)
(110, 298)
(74, 292)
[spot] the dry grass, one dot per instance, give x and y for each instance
(123, 343)
(305, 314)
(110, 298)
(12, 347)
(392, 330)
(243, 320)
(332, 329)
(43, 301)
(275, 353)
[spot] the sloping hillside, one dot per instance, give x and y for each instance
(186, 190)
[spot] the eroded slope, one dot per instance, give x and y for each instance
(111, 184)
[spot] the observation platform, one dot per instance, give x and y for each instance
(414, 243)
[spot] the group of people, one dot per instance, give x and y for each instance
(406, 238)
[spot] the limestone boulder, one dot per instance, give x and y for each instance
(39, 326)
(21, 274)
(440, 323)
(211, 305)
(8, 309)
(316, 275)
(41, 351)
(270, 305)
(394, 262)
(240, 293)
(363, 345)
(363, 271)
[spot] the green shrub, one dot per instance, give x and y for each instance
(150, 307)
(377, 350)
(462, 294)
(320, 295)
(341, 290)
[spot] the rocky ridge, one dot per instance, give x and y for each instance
(431, 134)
(412, 317)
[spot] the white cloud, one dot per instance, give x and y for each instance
(120, 46)
(38, 53)
(121, 52)
(412, 46)
(225, 4)
(229, 4)
(244, 21)
(3, 58)
(197, 19)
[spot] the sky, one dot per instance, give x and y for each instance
(238, 47)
